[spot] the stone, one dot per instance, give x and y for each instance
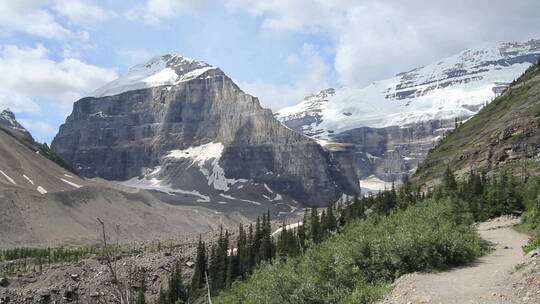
(4, 282)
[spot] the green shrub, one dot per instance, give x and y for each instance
(357, 265)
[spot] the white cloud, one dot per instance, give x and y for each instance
(314, 77)
(29, 73)
(80, 11)
(376, 39)
(37, 127)
(133, 57)
(155, 11)
(37, 17)
(29, 16)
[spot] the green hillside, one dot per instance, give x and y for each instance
(503, 135)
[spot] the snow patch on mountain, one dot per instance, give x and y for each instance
(71, 183)
(41, 190)
(8, 177)
(28, 179)
(166, 70)
(157, 185)
(208, 153)
(457, 86)
(374, 184)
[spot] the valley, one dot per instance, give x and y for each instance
(202, 191)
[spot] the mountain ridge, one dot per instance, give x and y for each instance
(394, 122)
(146, 137)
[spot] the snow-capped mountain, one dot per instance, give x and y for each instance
(8, 120)
(415, 106)
(184, 129)
(452, 87)
(164, 70)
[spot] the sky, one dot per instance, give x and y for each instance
(53, 52)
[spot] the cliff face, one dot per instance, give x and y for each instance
(394, 122)
(198, 133)
(45, 205)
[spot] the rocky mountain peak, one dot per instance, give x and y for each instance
(165, 70)
(8, 119)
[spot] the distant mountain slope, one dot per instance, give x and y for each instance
(394, 122)
(8, 120)
(43, 204)
(184, 128)
(503, 135)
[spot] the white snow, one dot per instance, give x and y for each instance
(288, 227)
(207, 154)
(8, 177)
(28, 179)
(374, 183)
(67, 175)
(71, 183)
(41, 190)
(456, 86)
(268, 188)
(238, 199)
(157, 185)
(165, 70)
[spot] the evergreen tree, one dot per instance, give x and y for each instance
(315, 226)
(141, 299)
(176, 289)
(449, 179)
(301, 232)
(241, 252)
(331, 222)
(162, 297)
(198, 278)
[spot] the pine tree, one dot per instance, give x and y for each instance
(301, 233)
(449, 179)
(162, 297)
(176, 287)
(315, 226)
(198, 279)
(250, 249)
(141, 299)
(331, 222)
(241, 252)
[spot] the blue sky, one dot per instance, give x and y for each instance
(53, 52)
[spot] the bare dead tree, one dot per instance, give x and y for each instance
(111, 266)
(208, 288)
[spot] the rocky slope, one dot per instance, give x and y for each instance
(8, 120)
(185, 129)
(43, 204)
(394, 122)
(503, 135)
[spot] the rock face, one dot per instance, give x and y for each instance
(393, 123)
(8, 120)
(44, 205)
(183, 127)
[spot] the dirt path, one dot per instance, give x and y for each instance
(485, 281)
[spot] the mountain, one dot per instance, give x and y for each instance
(184, 129)
(503, 136)
(44, 204)
(8, 120)
(394, 122)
